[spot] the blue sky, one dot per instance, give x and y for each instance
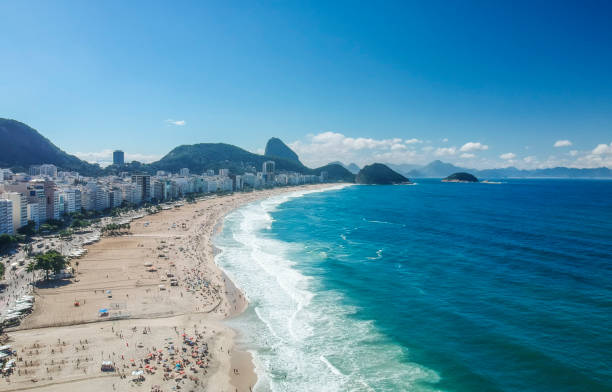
(481, 84)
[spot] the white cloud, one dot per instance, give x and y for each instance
(326, 147)
(600, 156)
(562, 143)
(573, 153)
(508, 156)
(445, 140)
(602, 149)
(467, 155)
(412, 141)
(473, 146)
(444, 151)
(530, 159)
(179, 123)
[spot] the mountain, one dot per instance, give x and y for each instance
(22, 146)
(277, 149)
(435, 169)
(205, 156)
(352, 167)
(404, 168)
(337, 172)
(379, 174)
(460, 177)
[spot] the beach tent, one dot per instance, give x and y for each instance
(103, 312)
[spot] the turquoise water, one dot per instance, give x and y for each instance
(451, 287)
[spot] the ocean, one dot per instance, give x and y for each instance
(427, 287)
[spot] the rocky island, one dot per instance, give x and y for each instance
(379, 174)
(460, 177)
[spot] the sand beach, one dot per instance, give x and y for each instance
(147, 306)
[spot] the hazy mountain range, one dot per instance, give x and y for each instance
(439, 169)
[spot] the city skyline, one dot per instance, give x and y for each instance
(399, 83)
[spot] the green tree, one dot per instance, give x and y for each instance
(1, 270)
(49, 261)
(29, 229)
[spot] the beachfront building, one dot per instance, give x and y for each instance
(34, 192)
(6, 216)
(115, 198)
(184, 172)
(20, 208)
(238, 183)
(102, 198)
(223, 172)
(88, 197)
(69, 200)
(33, 215)
(143, 184)
(249, 179)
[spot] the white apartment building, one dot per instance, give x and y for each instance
(6, 216)
(70, 200)
(33, 213)
(238, 183)
(184, 172)
(102, 198)
(20, 209)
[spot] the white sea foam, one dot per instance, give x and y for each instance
(303, 338)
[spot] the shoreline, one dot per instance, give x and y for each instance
(241, 358)
(61, 343)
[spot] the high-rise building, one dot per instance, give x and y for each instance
(184, 172)
(6, 216)
(33, 213)
(118, 157)
(20, 209)
(143, 184)
(268, 171)
(224, 172)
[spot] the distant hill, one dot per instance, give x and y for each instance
(205, 156)
(460, 177)
(352, 167)
(277, 149)
(379, 174)
(555, 172)
(337, 172)
(22, 146)
(439, 169)
(404, 168)
(435, 169)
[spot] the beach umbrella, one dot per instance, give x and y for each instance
(103, 310)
